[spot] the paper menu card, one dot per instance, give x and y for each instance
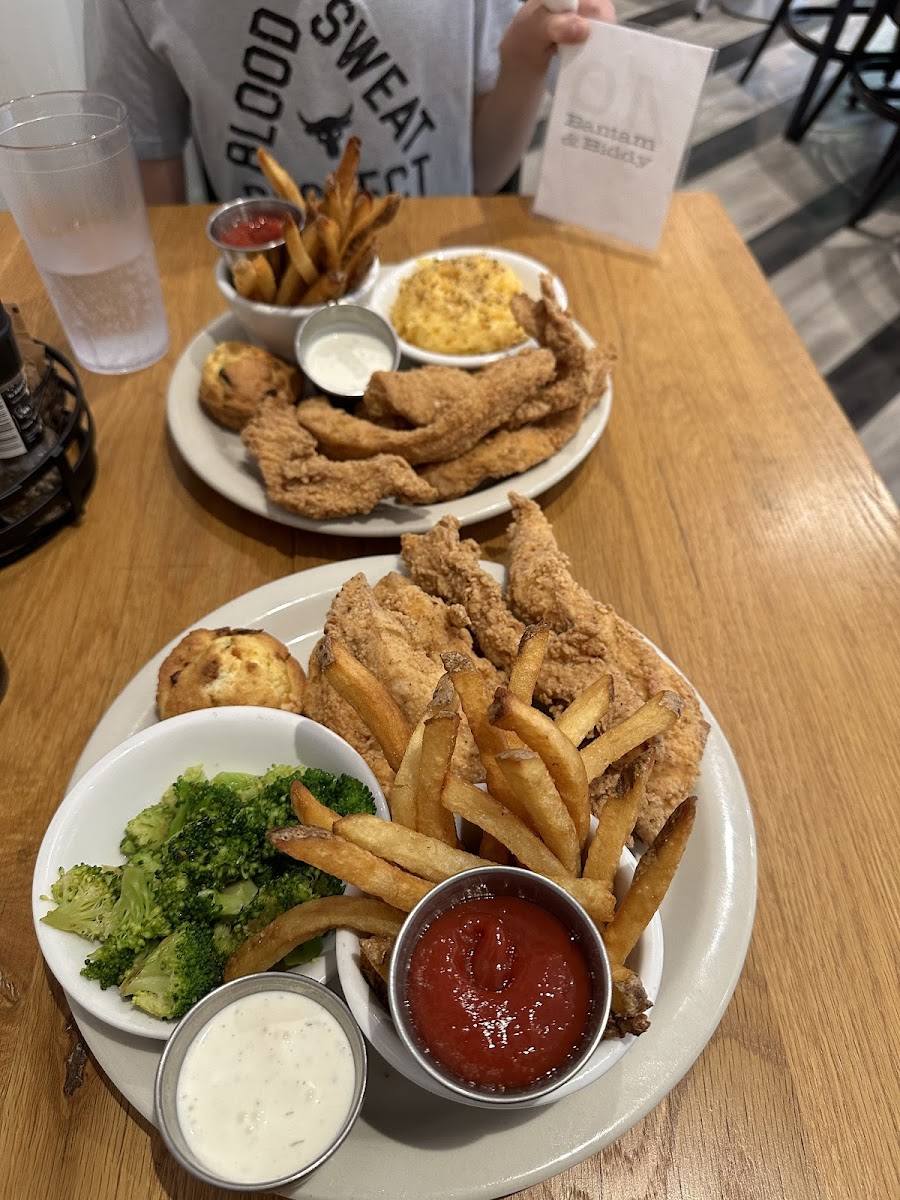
(622, 113)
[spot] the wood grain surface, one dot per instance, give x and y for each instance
(729, 512)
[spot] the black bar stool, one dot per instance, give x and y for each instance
(872, 78)
(825, 49)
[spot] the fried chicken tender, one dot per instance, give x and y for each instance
(389, 644)
(445, 566)
(415, 398)
(482, 402)
(541, 588)
(305, 482)
(589, 639)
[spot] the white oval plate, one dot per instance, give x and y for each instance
(408, 1145)
(218, 456)
(89, 824)
(528, 271)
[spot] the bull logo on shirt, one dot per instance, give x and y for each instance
(327, 131)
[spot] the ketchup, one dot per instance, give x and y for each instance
(499, 992)
(253, 231)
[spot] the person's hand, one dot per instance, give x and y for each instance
(534, 33)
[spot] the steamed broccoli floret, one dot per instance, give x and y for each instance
(176, 973)
(86, 897)
(148, 830)
(110, 964)
(137, 917)
(295, 886)
(343, 793)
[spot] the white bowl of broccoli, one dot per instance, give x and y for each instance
(156, 864)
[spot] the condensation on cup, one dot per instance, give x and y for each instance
(69, 175)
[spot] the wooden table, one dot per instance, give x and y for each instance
(728, 511)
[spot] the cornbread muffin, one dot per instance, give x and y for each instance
(237, 377)
(210, 668)
(458, 306)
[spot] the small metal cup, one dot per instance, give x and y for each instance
(228, 216)
(169, 1069)
(484, 883)
(338, 317)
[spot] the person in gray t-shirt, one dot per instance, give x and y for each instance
(443, 93)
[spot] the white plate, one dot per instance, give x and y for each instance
(408, 1145)
(218, 456)
(528, 271)
(89, 824)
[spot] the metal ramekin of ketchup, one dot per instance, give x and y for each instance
(500, 986)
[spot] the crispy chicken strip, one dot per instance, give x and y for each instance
(447, 567)
(541, 588)
(305, 482)
(388, 644)
(483, 402)
(417, 397)
(435, 627)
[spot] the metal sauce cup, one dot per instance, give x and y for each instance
(343, 319)
(235, 212)
(490, 882)
(169, 1069)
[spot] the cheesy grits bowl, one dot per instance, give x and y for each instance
(458, 306)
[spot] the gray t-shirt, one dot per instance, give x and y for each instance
(299, 76)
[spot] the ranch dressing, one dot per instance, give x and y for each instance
(265, 1087)
(343, 361)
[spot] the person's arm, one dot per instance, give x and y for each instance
(163, 180)
(504, 118)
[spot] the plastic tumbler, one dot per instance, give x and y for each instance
(69, 175)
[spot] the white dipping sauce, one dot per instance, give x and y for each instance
(265, 1087)
(344, 361)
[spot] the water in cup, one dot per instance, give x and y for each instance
(69, 174)
(106, 290)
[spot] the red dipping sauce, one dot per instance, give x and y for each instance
(499, 992)
(253, 231)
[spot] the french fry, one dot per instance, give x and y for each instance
(278, 178)
(494, 851)
(475, 699)
(358, 267)
(560, 756)
(374, 956)
(330, 235)
(354, 865)
(529, 660)
(244, 279)
(652, 877)
(348, 168)
(266, 289)
(264, 949)
(587, 710)
(290, 287)
(536, 792)
(416, 852)
(327, 287)
(658, 714)
(371, 700)
(303, 264)
(381, 213)
(438, 744)
(617, 821)
(312, 242)
(485, 811)
(403, 789)
(310, 811)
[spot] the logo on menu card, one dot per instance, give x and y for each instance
(362, 67)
